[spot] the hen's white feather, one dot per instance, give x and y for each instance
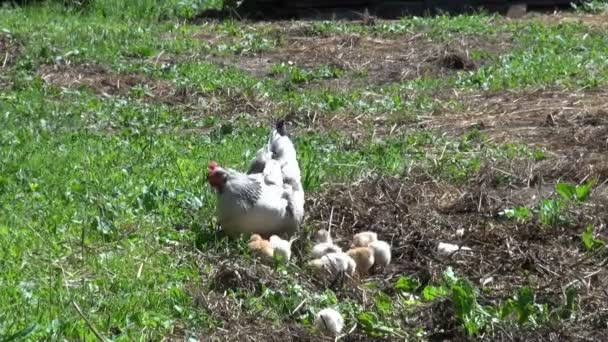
(267, 214)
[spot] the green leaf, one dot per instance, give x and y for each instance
(367, 319)
(589, 241)
(568, 311)
(583, 191)
(432, 292)
(407, 284)
(373, 326)
(521, 214)
(566, 190)
(464, 299)
(550, 213)
(539, 155)
(22, 334)
(587, 237)
(524, 304)
(384, 303)
(507, 308)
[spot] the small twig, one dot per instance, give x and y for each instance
(299, 306)
(86, 320)
(331, 217)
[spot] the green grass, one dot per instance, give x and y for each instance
(92, 188)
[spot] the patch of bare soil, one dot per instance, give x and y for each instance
(382, 60)
(104, 81)
(414, 214)
(10, 50)
(193, 103)
(596, 20)
(571, 126)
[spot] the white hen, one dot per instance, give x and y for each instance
(280, 153)
(268, 199)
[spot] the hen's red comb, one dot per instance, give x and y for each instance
(212, 165)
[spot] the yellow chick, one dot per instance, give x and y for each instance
(260, 247)
(363, 257)
(363, 239)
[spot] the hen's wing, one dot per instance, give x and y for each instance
(262, 208)
(272, 211)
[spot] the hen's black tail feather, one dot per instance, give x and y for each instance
(280, 127)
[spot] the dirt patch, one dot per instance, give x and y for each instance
(194, 104)
(236, 325)
(596, 20)
(571, 126)
(381, 60)
(414, 215)
(10, 50)
(455, 61)
(537, 117)
(104, 81)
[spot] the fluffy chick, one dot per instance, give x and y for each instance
(281, 247)
(329, 322)
(324, 248)
(446, 249)
(363, 257)
(363, 239)
(260, 247)
(332, 264)
(382, 253)
(323, 235)
(325, 245)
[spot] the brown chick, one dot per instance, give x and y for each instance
(260, 247)
(364, 258)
